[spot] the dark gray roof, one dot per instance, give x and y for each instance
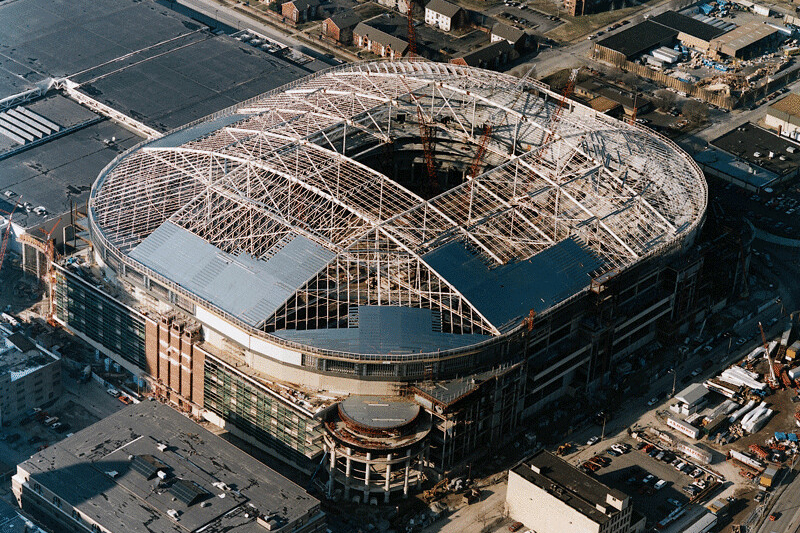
(384, 329)
(302, 5)
(121, 499)
(378, 35)
(580, 491)
(346, 18)
(379, 411)
(23, 343)
(505, 294)
(638, 39)
(510, 33)
(12, 522)
(749, 138)
(443, 7)
(248, 288)
(688, 25)
(62, 169)
(478, 57)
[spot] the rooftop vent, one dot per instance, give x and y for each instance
(147, 465)
(161, 446)
(112, 473)
(174, 514)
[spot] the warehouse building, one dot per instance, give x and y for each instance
(546, 493)
(784, 116)
(744, 42)
(692, 33)
(149, 466)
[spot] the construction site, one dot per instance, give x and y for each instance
(451, 246)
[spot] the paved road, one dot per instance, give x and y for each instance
(234, 19)
(787, 508)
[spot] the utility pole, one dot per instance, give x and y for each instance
(674, 381)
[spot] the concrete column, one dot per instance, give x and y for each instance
(405, 477)
(388, 476)
(348, 473)
(367, 466)
(332, 471)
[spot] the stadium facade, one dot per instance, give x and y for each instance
(290, 270)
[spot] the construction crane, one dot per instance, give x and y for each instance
(50, 253)
(556, 116)
(412, 34)
(769, 357)
(493, 121)
(425, 133)
(6, 236)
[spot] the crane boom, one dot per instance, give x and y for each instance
(766, 349)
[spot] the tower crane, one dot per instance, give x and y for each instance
(556, 116)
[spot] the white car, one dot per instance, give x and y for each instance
(660, 484)
(592, 440)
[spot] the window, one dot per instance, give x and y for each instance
(57, 501)
(95, 528)
(37, 488)
(76, 515)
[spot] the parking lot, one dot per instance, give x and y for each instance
(657, 485)
(81, 405)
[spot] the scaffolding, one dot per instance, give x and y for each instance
(289, 163)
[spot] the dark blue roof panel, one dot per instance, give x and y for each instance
(505, 294)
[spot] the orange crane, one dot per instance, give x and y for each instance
(476, 162)
(6, 236)
(425, 138)
(556, 116)
(412, 34)
(50, 252)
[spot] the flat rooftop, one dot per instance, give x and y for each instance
(744, 36)
(62, 169)
(379, 412)
(19, 356)
(578, 490)
(638, 39)
(688, 25)
(746, 140)
(117, 460)
(141, 58)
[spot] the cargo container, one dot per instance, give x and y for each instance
(768, 476)
(683, 427)
(792, 351)
(696, 452)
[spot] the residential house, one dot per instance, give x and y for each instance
(378, 41)
(339, 26)
(492, 56)
(516, 37)
(444, 15)
(299, 11)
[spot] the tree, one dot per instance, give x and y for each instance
(664, 99)
(695, 111)
(630, 79)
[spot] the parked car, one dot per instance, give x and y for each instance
(592, 440)
(112, 391)
(652, 402)
(660, 484)
(516, 526)
(613, 453)
(648, 478)
(124, 399)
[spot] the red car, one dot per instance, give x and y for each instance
(124, 399)
(516, 526)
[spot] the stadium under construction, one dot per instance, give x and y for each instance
(386, 267)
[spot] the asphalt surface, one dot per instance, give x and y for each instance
(234, 19)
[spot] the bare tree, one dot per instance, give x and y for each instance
(630, 79)
(664, 99)
(695, 111)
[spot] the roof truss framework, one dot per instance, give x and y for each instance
(286, 168)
